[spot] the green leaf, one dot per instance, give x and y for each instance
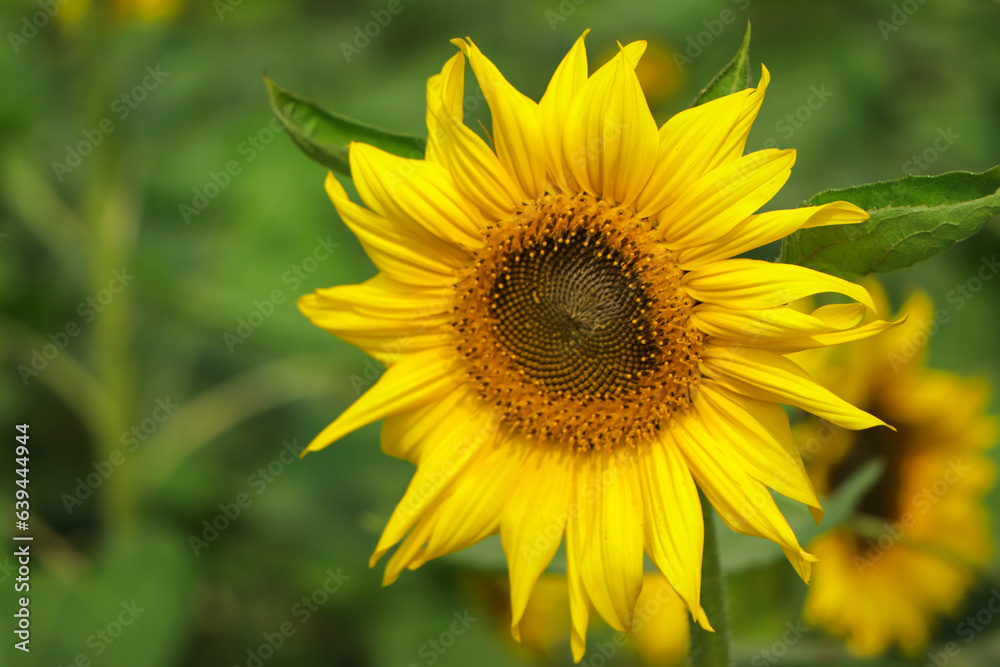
(739, 552)
(324, 135)
(912, 219)
(733, 78)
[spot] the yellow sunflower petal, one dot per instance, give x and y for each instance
(413, 544)
(746, 284)
(383, 317)
(608, 521)
(407, 435)
(783, 329)
(471, 508)
(771, 377)
(517, 132)
(758, 435)
(533, 523)
(674, 528)
(696, 141)
(724, 197)
(764, 228)
(759, 327)
(418, 193)
(476, 169)
(579, 602)
(444, 100)
(385, 297)
(742, 502)
(451, 445)
(414, 380)
(610, 136)
(553, 111)
(395, 249)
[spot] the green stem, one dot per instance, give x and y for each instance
(711, 649)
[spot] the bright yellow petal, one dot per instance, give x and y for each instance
(724, 197)
(610, 136)
(445, 93)
(608, 521)
(553, 111)
(533, 522)
(579, 602)
(471, 508)
(771, 377)
(698, 140)
(451, 445)
(395, 249)
(416, 379)
(517, 132)
(418, 193)
(674, 527)
(743, 503)
(383, 317)
(747, 284)
(784, 329)
(408, 435)
(476, 169)
(760, 438)
(764, 228)
(410, 549)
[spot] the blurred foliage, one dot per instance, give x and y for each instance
(172, 173)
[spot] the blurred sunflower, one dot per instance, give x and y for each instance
(920, 532)
(566, 333)
(659, 631)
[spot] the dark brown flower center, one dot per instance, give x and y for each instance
(574, 324)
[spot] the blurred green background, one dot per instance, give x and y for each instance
(156, 232)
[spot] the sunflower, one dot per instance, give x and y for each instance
(659, 633)
(920, 532)
(570, 347)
